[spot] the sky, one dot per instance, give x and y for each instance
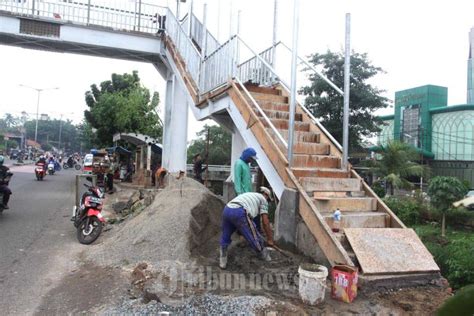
(416, 42)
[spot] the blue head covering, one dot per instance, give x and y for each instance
(248, 154)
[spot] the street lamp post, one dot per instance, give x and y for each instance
(37, 105)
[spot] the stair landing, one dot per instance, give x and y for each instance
(390, 251)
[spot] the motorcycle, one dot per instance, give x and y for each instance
(87, 218)
(51, 168)
(70, 165)
(4, 181)
(40, 171)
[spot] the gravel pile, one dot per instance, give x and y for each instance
(183, 220)
(207, 304)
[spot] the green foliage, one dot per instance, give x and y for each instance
(379, 189)
(454, 254)
(48, 133)
(122, 105)
(220, 145)
(443, 191)
(408, 210)
(462, 303)
(398, 164)
(327, 105)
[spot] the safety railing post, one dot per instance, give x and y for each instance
(347, 77)
(33, 7)
(88, 11)
(139, 13)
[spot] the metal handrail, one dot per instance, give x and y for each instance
(263, 113)
(314, 69)
(286, 86)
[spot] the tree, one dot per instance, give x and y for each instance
(220, 145)
(443, 191)
(398, 164)
(122, 105)
(48, 133)
(327, 105)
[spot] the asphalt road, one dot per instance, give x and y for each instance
(38, 246)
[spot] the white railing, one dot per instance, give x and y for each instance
(255, 71)
(219, 66)
(117, 14)
(197, 35)
(184, 45)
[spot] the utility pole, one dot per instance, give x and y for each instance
(294, 61)
(60, 130)
(347, 84)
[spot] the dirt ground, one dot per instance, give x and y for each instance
(169, 271)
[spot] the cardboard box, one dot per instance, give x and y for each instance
(344, 283)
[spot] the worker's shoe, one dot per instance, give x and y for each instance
(223, 258)
(265, 255)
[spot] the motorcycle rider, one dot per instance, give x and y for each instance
(4, 173)
(41, 160)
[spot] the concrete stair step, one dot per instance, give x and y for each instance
(283, 125)
(281, 115)
(346, 204)
(322, 195)
(301, 137)
(269, 97)
(266, 90)
(359, 219)
(320, 172)
(341, 236)
(308, 149)
(330, 184)
(274, 106)
(316, 161)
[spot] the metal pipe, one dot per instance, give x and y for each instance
(264, 115)
(190, 17)
(275, 21)
(347, 78)
(294, 61)
(89, 11)
(329, 82)
(139, 13)
(231, 18)
(37, 114)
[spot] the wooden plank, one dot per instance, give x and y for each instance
(323, 234)
(390, 251)
(268, 144)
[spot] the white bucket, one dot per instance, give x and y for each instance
(312, 283)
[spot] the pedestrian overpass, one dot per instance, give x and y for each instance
(249, 97)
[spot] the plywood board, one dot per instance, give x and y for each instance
(390, 251)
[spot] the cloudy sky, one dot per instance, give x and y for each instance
(416, 42)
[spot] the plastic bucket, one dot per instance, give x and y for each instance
(312, 283)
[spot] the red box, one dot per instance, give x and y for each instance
(344, 283)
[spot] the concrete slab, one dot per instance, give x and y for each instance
(390, 251)
(330, 184)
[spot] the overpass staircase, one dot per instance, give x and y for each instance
(256, 100)
(373, 238)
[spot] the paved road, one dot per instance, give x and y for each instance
(37, 240)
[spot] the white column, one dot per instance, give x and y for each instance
(176, 128)
(148, 158)
(142, 157)
(238, 146)
(165, 158)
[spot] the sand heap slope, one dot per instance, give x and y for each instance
(182, 222)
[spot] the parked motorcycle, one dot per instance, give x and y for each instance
(40, 171)
(4, 181)
(88, 219)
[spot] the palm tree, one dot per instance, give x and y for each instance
(397, 164)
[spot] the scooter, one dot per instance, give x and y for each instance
(51, 168)
(87, 218)
(40, 171)
(4, 181)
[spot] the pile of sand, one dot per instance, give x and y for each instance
(182, 223)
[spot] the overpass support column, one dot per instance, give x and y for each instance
(176, 127)
(238, 146)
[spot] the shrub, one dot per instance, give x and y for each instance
(454, 254)
(407, 209)
(379, 189)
